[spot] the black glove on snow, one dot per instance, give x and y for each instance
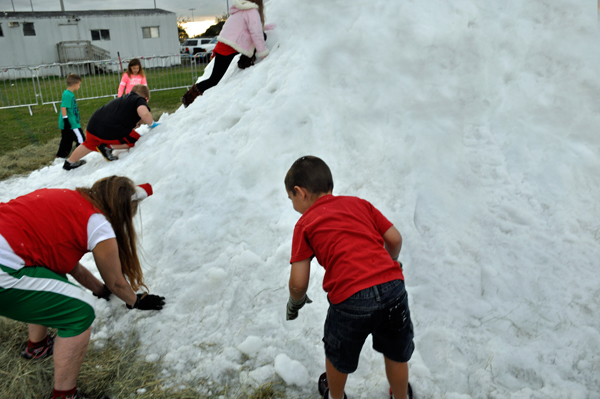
(148, 302)
(67, 124)
(105, 294)
(294, 306)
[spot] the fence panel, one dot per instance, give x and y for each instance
(44, 84)
(17, 88)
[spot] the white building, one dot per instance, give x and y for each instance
(36, 38)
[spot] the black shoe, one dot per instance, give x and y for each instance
(323, 386)
(106, 152)
(80, 395)
(190, 96)
(68, 165)
(39, 353)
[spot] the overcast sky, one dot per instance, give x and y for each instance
(204, 9)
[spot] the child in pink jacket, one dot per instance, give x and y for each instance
(242, 33)
(134, 75)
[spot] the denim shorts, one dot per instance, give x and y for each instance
(382, 311)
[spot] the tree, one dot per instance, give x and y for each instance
(180, 29)
(215, 29)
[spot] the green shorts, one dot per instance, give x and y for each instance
(37, 295)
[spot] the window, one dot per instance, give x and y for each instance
(1, 33)
(150, 32)
(100, 34)
(13, 24)
(28, 29)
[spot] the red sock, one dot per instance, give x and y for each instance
(63, 394)
(35, 345)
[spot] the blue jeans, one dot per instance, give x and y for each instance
(382, 311)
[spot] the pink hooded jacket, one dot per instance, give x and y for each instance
(243, 29)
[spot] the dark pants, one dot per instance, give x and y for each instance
(66, 142)
(221, 64)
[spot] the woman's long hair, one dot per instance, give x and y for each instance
(112, 196)
(136, 62)
(261, 9)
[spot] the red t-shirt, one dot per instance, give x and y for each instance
(47, 227)
(346, 236)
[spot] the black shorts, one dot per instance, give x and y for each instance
(382, 311)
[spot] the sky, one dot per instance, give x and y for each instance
(204, 9)
(471, 125)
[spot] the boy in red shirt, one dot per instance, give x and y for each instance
(359, 248)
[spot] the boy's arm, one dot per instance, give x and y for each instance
(145, 115)
(66, 123)
(393, 242)
(299, 277)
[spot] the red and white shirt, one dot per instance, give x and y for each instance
(52, 228)
(346, 236)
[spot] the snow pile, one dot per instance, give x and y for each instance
(473, 126)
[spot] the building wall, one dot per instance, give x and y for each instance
(125, 35)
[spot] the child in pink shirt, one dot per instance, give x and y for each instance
(133, 76)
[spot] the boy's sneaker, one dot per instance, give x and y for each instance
(39, 353)
(409, 393)
(68, 165)
(323, 386)
(106, 152)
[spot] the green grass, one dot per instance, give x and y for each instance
(116, 369)
(28, 143)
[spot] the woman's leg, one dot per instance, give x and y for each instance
(221, 64)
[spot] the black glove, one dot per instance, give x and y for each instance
(246, 62)
(294, 306)
(148, 302)
(104, 294)
(67, 124)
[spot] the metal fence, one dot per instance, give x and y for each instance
(44, 84)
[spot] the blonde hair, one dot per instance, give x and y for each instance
(112, 196)
(142, 90)
(73, 79)
(132, 63)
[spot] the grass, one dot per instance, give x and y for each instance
(28, 143)
(115, 369)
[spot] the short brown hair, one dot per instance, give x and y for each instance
(311, 173)
(73, 79)
(141, 90)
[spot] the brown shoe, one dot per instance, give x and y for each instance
(190, 96)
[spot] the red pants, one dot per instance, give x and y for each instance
(91, 141)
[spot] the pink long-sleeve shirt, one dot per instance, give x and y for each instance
(127, 83)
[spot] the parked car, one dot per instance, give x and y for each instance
(191, 46)
(204, 51)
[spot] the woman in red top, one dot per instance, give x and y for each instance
(43, 235)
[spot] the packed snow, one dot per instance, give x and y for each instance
(473, 126)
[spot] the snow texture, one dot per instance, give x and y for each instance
(472, 125)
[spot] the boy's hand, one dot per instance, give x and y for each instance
(294, 306)
(67, 124)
